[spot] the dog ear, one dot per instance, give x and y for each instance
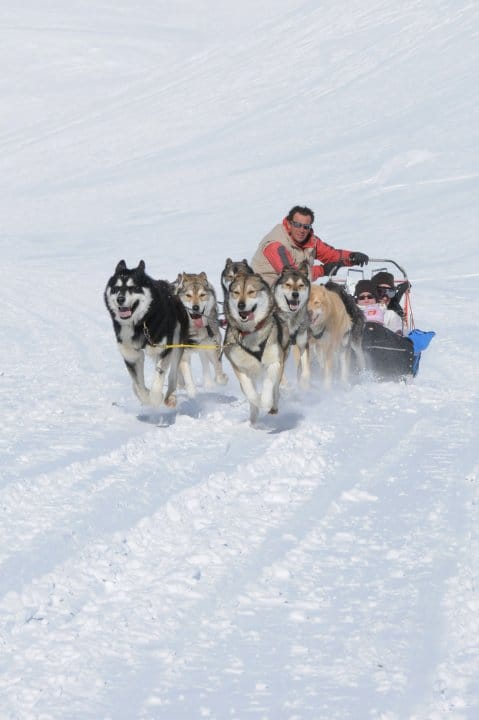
(305, 269)
(121, 266)
(176, 284)
(203, 276)
(141, 266)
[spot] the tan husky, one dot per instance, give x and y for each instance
(256, 342)
(333, 333)
(199, 298)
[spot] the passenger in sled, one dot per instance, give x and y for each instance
(375, 305)
(389, 294)
(389, 353)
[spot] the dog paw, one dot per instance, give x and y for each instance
(253, 414)
(171, 401)
(273, 411)
(142, 395)
(155, 399)
(221, 379)
(267, 404)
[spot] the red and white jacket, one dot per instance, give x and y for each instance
(278, 249)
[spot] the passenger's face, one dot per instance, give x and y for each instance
(366, 298)
(383, 298)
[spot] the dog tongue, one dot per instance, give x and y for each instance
(125, 312)
(245, 316)
(198, 322)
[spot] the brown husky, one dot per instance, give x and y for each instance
(256, 342)
(333, 333)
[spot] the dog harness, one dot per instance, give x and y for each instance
(258, 354)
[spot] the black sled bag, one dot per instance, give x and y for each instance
(388, 355)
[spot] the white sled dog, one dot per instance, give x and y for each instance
(334, 334)
(199, 298)
(147, 317)
(256, 342)
(291, 292)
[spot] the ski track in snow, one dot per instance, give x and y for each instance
(296, 537)
(298, 568)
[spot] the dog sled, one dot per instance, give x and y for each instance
(389, 356)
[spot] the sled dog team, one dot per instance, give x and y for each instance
(170, 321)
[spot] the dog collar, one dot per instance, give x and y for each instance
(257, 327)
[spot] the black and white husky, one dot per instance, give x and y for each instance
(147, 317)
(256, 342)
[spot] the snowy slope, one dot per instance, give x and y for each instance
(181, 565)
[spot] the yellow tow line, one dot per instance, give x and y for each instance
(189, 345)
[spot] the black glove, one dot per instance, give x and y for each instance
(401, 289)
(332, 267)
(357, 258)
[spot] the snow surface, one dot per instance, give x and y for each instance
(175, 565)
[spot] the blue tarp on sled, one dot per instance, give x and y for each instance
(420, 340)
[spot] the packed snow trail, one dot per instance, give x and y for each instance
(296, 534)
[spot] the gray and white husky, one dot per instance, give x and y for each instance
(291, 293)
(147, 318)
(199, 298)
(256, 342)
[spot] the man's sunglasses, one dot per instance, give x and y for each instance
(366, 296)
(298, 225)
(386, 292)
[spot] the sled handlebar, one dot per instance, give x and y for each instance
(392, 262)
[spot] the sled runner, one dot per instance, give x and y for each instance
(389, 355)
